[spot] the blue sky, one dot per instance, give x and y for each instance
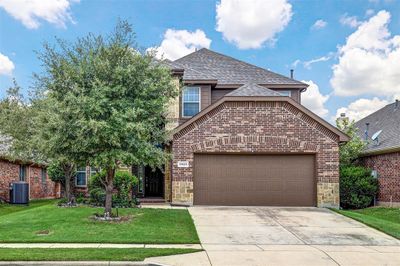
(356, 44)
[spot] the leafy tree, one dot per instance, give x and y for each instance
(31, 128)
(350, 151)
(16, 125)
(54, 138)
(109, 99)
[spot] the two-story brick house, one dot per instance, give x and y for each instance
(241, 137)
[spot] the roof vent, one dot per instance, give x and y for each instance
(291, 73)
(396, 105)
(366, 130)
(375, 137)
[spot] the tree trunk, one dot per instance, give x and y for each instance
(109, 191)
(68, 172)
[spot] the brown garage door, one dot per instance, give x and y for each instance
(254, 180)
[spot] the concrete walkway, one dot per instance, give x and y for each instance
(289, 236)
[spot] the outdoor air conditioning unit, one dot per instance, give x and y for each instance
(19, 193)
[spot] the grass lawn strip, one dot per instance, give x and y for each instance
(8, 208)
(383, 219)
(87, 254)
(49, 223)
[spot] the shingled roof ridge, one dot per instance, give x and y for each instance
(238, 61)
(253, 89)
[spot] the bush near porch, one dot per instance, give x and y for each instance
(49, 223)
(358, 187)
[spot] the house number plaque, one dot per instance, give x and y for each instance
(183, 164)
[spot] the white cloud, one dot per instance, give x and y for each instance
(178, 43)
(369, 62)
(30, 12)
(250, 24)
(369, 12)
(307, 64)
(319, 24)
(361, 108)
(314, 100)
(6, 65)
(349, 21)
(295, 63)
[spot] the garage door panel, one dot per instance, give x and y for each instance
(275, 180)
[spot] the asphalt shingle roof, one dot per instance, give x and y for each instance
(252, 89)
(386, 119)
(205, 64)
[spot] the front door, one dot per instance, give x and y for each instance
(154, 183)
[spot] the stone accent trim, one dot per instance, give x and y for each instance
(328, 195)
(182, 192)
(167, 182)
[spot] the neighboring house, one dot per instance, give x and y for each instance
(382, 155)
(242, 137)
(40, 185)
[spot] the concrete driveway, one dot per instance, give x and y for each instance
(289, 236)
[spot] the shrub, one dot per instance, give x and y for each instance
(123, 185)
(357, 187)
(62, 202)
(56, 173)
(81, 199)
(97, 196)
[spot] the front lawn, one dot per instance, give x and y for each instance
(8, 208)
(49, 224)
(386, 220)
(87, 254)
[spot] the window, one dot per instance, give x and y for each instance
(286, 93)
(190, 101)
(22, 172)
(80, 180)
(44, 175)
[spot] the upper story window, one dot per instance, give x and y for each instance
(22, 172)
(81, 180)
(190, 101)
(286, 93)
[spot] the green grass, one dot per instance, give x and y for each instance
(86, 254)
(73, 225)
(7, 208)
(386, 220)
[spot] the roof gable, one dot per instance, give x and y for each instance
(386, 119)
(252, 89)
(297, 109)
(205, 64)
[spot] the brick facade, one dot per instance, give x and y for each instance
(267, 127)
(387, 167)
(38, 188)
